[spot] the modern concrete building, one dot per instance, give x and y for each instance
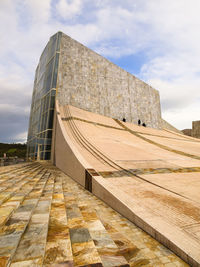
(43, 101)
(78, 76)
(150, 175)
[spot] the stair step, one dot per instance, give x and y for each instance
(11, 189)
(14, 228)
(83, 248)
(128, 237)
(32, 242)
(9, 176)
(107, 248)
(59, 223)
(15, 198)
(8, 180)
(113, 247)
(15, 168)
(58, 247)
(8, 186)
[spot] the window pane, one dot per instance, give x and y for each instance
(55, 74)
(52, 46)
(49, 134)
(50, 121)
(52, 102)
(47, 155)
(48, 76)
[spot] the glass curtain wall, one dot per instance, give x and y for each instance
(43, 101)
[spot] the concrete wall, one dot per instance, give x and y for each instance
(89, 81)
(64, 153)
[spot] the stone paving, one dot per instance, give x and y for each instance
(47, 219)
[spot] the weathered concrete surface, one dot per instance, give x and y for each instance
(150, 176)
(91, 82)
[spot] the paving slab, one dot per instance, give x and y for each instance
(66, 225)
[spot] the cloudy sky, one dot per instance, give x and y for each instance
(156, 40)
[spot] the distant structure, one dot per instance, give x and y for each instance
(78, 76)
(195, 131)
(187, 132)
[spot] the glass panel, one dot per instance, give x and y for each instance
(42, 108)
(42, 123)
(47, 155)
(49, 134)
(47, 147)
(58, 41)
(53, 92)
(52, 46)
(41, 141)
(54, 83)
(42, 63)
(45, 120)
(52, 102)
(47, 101)
(48, 141)
(48, 76)
(50, 121)
(40, 83)
(41, 155)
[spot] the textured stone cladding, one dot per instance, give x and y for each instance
(187, 132)
(91, 82)
(196, 129)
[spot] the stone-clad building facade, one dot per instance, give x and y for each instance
(187, 132)
(76, 75)
(91, 82)
(195, 131)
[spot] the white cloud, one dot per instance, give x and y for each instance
(181, 118)
(21, 138)
(165, 32)
(68, 9)
(39, 11)
(173, 65)
(176, 77)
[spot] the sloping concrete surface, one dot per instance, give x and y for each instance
(150, 176)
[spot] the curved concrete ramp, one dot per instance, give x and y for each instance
(150, 176)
